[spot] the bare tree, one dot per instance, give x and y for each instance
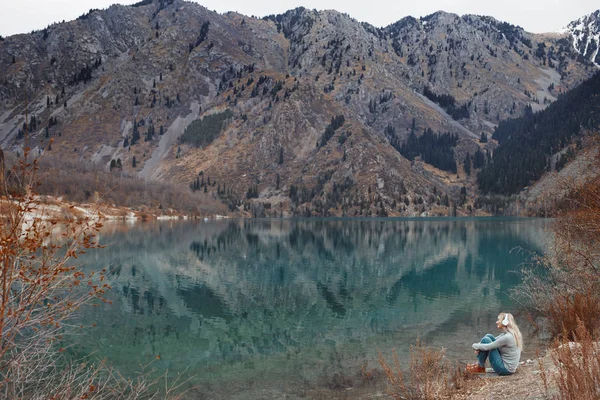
(41, 288)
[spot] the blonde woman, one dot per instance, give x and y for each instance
(503, 351)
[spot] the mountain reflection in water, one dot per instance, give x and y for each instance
(267, 304)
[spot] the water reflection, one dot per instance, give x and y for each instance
(281, 303)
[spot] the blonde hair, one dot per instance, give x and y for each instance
(512, 328)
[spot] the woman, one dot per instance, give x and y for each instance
(503, 351)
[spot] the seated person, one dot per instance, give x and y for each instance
(503, 351)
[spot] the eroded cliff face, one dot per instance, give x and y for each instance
(127, 81)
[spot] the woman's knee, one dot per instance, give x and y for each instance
(486, 339)
(492, 337)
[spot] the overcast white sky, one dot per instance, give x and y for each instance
(22, 16)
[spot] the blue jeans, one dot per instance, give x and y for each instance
(493, 355)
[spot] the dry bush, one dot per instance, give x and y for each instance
(430, 376)
(562, 295)
(398, 388)
(85, 182)
(460, 378)
(564, 285)
(45, 373)
(567, 312)
(368, 374)
(81, 182)
(41, 289)
(564, 288)
(578, 367)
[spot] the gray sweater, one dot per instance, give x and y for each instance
(507, 345)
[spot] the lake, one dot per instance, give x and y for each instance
(273, 308)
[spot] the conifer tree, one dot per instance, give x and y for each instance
(468, 164)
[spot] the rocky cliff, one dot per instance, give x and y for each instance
(585, 36)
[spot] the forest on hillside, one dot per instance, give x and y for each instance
(526, 144)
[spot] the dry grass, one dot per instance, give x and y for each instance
(43, 372)
(430, 376)
(578, 368)
(566, 313)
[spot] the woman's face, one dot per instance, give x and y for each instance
(499, 324)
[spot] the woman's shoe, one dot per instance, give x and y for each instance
(475, 368)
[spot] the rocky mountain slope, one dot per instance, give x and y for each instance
(585, 33)
(301, 113)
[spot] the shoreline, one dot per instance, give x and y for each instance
(50, 206)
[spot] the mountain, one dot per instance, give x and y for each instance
(585, 33)
(540, 142)
(306, 113)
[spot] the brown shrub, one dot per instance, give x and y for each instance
(567, 312)
(564, 285)
(431, 375)
(578, 367)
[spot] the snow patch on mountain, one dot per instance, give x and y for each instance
(586, 36)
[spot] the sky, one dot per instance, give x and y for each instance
(536, 16)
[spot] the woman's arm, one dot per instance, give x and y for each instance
(501, 340)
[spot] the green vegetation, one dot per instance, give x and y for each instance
(565, 158)
(203, 131)
(448, 103)
(85, 74)
(201, 37)
(86, 15)
(252, 192)
(336, 122)
(161, 3)
(434, 149)
(527, 143)
(288, 20)
(142, 3)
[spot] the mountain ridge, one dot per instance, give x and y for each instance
(585, 33)
(125, 74)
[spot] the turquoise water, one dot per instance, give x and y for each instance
(269, 308)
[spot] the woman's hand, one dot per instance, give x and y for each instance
(476, 351)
